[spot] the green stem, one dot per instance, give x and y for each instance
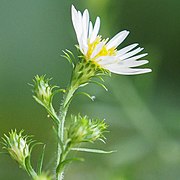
(60, 129)
(79, 77)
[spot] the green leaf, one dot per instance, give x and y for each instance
(40, 162)
(65, 162)
(92, 150)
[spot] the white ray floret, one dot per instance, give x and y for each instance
(104, 52)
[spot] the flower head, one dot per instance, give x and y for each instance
(17, 146)
(83, 129)
(104, 52)
(42, 90)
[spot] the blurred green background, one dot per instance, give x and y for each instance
(142, 111)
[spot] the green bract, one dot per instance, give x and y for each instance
(84, 71)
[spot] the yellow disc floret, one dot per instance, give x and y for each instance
(103, 52)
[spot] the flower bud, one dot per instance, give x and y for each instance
(42, 90)
(17, 146)
(83, 129)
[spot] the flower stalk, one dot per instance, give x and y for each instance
(81, 75)
(60, 129)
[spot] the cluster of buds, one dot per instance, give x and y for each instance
(43, 91)
(83, 129)
(17, 146)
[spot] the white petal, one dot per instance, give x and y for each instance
(131, 53)
(84, 48)
(84, 36)
(126, 49)
(107, 60)
(127, 71)
(135, 57)
(81, 23)
(133, 63)
(74, 19)
(90, 29)
(85, 24)
(97, 49)
(117, 39)
(95, 31)
(79, 29)
(73, 14)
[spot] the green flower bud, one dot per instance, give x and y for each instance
(17, 146)
(42, 90)
(83, 129)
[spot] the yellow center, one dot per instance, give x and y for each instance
(103, 52)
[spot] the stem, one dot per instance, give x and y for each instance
(60, 129)
(78, 78)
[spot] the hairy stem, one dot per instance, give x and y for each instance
(60, 129)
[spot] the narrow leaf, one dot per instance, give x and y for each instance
(100, 84)
(92, 150)
(87, 95)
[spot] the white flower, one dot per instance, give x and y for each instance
(104, 52)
